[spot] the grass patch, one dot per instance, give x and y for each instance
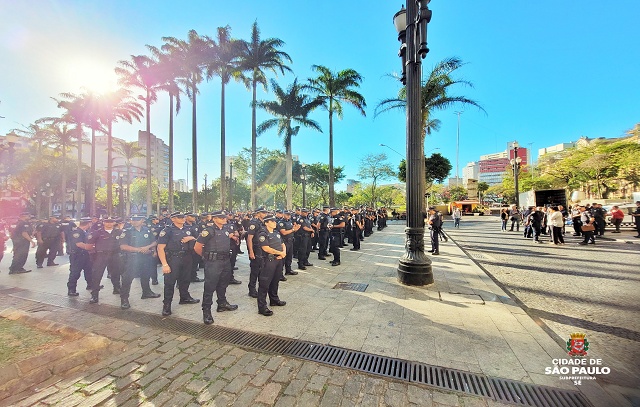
(18, 341)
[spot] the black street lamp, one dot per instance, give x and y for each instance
(303, 177)
(515, 166)
(231, 185)
(414, 267)
(206, 200)
(120, 197)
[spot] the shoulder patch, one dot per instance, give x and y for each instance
(262, 238)
(278, 234)
(76, 235)
(226, 233)
(163, 233)
(252, 227)
(204, 233)
(90, 236)
(188, 232)
(281, 224)
(146, 235)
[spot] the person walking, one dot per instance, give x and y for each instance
(269, 280)
(104, 244)
(515, 216)
(49, 236)
(457, 215)
(575, 219)
(22, 240)
(434, 222)
(79, 259)
(588, 227)
(616, 218)
(556, 223)
(504, 217)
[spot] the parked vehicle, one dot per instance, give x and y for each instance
(546, 197)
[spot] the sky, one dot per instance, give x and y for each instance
(546, 72)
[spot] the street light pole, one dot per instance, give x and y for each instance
(515, 164)
(414, 267)
(230, 186)
(304, 185)
(384, 145)
(206, 201)
(458, 148)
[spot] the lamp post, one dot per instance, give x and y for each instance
(303, 177)
(120, 197)
(515, 165)
(49, 195)
(206, 201)
(414, 267)
(384, 145)
(231, 181)
(73, 203)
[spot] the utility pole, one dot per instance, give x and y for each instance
(458, 148)
(188, 160)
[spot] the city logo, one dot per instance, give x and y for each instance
(577, 345)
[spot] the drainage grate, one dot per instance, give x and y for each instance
(351, 286)
(450, 379)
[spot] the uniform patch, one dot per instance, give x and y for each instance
(90, 236)
(155, 233)
(261, 238)
(204, 233)
(251, 227)
(189, 232)
(163, 233)
(278, 234)
(226, 233)
(76, 235)
(146, 235)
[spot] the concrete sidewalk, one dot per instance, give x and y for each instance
(463, 321)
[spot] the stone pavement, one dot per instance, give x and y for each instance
(463, 321)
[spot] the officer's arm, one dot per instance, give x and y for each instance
(128, 248)
(162, 255)
(339, 225)
(198, 248)
(270, 250)
(250, 244)
(39, 236)
(26, 236)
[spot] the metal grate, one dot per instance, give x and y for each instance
(351, 286)
(502, 390)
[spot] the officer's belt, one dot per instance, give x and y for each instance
(106, 251)
(176, 253)
(215, 255)
(50, 238)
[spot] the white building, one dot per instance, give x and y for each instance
(555, 149)
(470, 171)
(180, 185)
(159, 158)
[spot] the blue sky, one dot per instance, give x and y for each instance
(546, 72)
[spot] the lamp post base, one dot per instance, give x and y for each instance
(414, 267)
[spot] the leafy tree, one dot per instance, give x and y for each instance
(375, 168)
(318, 178)
(436, 169)
(334, 89)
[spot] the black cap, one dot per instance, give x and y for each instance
(219, 214)
(189, 214)
(177, 214)
(137, 217)
(85, 219)
(279, 211)
(269, 218)
(262, 209)
(304, 210)
(153, 217)
(326, 207)
(335, 209)
(286, 212)
(108, 219)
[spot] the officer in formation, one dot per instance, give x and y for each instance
(256, 260)
(235, 230)
(139, 247)
(304, 233)
(356, 223)
(105, 247)
(337, 227)
(66, 226)
(79, 259)
(22, 239)
(213, 245)
(287, 231)
(322, 225)
(176, 259)
(275, 251)
(50, 237)
(435, 223)
(195, 228)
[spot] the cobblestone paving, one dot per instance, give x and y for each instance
(591, 289)
(157, 368)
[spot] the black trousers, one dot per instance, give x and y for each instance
(79, 262)
(588, 236)
(101, 261)
(434, 233)
(556, 233)
(577, 225)
(334, 246)
(217, 274)
(20, 254)
(600, 224)
(255, 266)
(355, 237)
(137, 265)
(180, 274)
(49, 249)
(195, 264)
(289, 258)
(269, 281)
(303, 249)
(323, 242)
(515, 223)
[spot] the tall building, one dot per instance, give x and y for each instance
(470, 171)
(491, 167)
(180, 185)
(159, 158)
(555, 149)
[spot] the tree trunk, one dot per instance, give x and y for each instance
(332, 193)
(149, 191)
(222, 148)
(79, 177)
(92, 187)
(63, 210)
(170, 153)
(254, 165)
(109, 169)
(289, 168)
(128, 201)
(194, 150)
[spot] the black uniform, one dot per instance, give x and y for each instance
(323, 234)
(336, 237)
(271, 273)
(217, 264)
(355, 230)
(141, 265)
(179, 260)
(106, 256)
(49, 245)
(303, 245)
(79, 260)
(66, 226)
(256, 264)
(195, 258)
(435, 222)
(20, 245)
(232, 227)
(287, 239)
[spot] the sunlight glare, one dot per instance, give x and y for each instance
(92, 75)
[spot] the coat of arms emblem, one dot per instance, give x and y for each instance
(577, 345)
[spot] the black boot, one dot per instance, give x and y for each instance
(124, 303)
(166, 310)
(207, 318)
(150, 294)
(72, 293)
(94, 299)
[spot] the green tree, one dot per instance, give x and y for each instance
(335, 88)
(436, 169)
(257, 56)
(317, 176)
(375, 167)
(61, 137)
(289, 108)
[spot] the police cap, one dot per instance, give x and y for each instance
(137, 218)
(177, 214)
(219, 214)
(269, 219)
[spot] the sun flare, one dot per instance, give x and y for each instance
(91, 74)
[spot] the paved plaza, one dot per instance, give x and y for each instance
(464, 321)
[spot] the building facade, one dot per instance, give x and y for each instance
(491, 167)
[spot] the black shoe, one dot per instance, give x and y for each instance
(22, 271)
(592, 242)
(197, 280)
(283, 278)
(207, 318)
(150, 294)
(234, 281)
(430, 251)
(436, 253)
(94, 299)
(116, 290)
(277, 303)
(124, 304)
(39, 266)
(301, 267)
(154, 282)
(166, 310)
(241, 252)
(253, 294)
(72, 293)
(335, 263)
(52, 264)
(189, 300)
(353, 249)
(226, 307)
(322, 258)
(291, 273)
(235, 268)
(266, 312)
(582, 243)
(308, 265)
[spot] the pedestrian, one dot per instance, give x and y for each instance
(22, 240)
(214, 247)
(105, 248)
(173, 251)
(275, 251)
(599, 214)
(457, 215)
(515, 216)
(616, 218)
(588, 228)
(504, 217)
(434, 221)
(79, 259)
(256, 258)
(336, 228)
(636, 217)
(49, 236)
(556, 222)
(536, 219)
(139, 247)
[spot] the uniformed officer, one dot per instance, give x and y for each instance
(305, 232)
(435, 222)
(66, 226)
(275, 251)
(256, 260)
(79, 260)
(323, 232)
(104, 243)
(336, 235)
(139, 247)
(357, 224)
(173, 245)
(233, 226)
(22, 240)
(155, 227)
(213, 246)
(49, 236)
(194, 227)
(287, 231)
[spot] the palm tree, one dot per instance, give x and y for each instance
(142, 72)
(222, 61)
(434, 94)
(113, 106)
(190, 56)
(129, 151)
(334, 89)
(289, 107)
(38, 134)
(257, 56)
(170, 70)
(61, 137)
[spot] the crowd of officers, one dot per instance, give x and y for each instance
(182, 243)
